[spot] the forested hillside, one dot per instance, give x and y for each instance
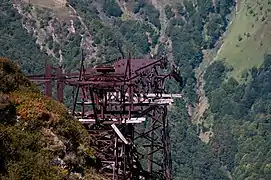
(242, 123)
(228, 140)
(16, 43)
(110, 29)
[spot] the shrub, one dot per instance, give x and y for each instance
(111, 8)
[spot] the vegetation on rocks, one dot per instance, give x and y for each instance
(38, 138)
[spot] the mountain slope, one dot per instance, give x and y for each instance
(248, 37)
(242, 123)
(16, 43)
(109, 29)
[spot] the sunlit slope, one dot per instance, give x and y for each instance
(249, 36)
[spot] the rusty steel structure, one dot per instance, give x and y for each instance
(121, 104)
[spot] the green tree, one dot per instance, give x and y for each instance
(111, 8)
(168, 11)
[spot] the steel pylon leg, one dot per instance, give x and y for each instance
(167, 149)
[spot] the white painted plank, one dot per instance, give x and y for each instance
(119, 133)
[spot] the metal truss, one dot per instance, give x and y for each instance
(113, 102)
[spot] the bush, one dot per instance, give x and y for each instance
(111, 8)
(240, 37)
(11, 77)
(152, 15)
(168, 12)
(136, 7)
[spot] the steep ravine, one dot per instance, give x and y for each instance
(163, 39)
(203, 105)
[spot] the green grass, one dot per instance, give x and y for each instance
(240, 49)
(51, 4)
(57, 6)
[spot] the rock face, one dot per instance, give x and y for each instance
(38, 138)
(52, 142)
(57, 28)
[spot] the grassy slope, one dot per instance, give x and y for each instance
(249, 51)
(48, 3)
(57, 6)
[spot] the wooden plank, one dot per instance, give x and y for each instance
(119, 133)
(128, 121)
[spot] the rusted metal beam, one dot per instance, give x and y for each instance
(129, 92)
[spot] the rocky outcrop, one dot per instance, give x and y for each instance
(54, 24)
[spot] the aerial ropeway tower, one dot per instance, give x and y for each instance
(124, 108)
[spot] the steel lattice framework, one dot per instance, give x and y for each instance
(110, 100)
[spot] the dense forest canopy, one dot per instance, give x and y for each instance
(242, 121)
